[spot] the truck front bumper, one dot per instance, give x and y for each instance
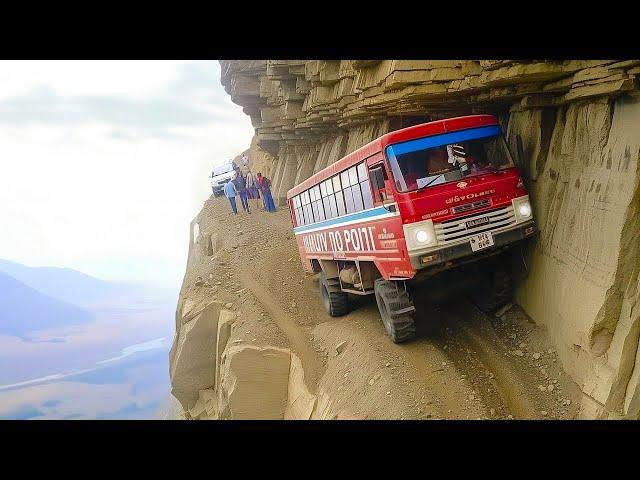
(439, 255)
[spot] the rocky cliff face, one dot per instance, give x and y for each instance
(575, 129)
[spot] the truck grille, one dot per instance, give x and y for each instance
(455, 230)
(467, 207)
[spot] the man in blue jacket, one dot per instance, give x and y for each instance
(241, 188)
(230, 191)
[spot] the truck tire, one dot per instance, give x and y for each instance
(396, 310)
(495, 290)
(335, 301)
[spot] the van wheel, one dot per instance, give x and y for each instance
(495, 289)
(396, 309)
(335, 301)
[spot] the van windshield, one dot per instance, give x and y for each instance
(448, 157)
(227, 167)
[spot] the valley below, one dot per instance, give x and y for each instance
(109, 365)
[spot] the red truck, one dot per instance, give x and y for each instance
(409, 206)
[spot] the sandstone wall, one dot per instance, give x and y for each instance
(582, 166)
(308, 113)
(575, 127)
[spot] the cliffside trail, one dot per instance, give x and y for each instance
(464, 365)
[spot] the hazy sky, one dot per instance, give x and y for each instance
(103, 164)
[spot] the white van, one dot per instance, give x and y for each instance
(221, 175)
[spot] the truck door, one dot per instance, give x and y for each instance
(380, 181)
(378, 176)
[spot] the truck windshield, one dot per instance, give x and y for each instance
(448, 157)
(227, 167)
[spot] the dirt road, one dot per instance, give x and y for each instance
(463, 365)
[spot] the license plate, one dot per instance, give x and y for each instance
(477, 222)
(480, 241)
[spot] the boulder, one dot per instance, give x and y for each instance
(192, 357)
(254, 382)
(300, 402)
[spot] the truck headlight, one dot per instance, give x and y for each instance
(522, 208)
(422, 236)
(419, 235)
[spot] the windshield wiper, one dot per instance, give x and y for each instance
(425, 186)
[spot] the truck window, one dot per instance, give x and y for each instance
(346, 192)
(365, 187)
(447, 158)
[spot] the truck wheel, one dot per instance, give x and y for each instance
(495, 291)
(335, 301)
(396, 310)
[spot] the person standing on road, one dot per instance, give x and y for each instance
(265, 189)
(244, 167)
(241, 188)
(230, 191)
(252, 187)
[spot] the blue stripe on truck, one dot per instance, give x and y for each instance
(366, 214)
(443, 139)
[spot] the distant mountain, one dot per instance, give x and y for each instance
(74, 287)
(23, 309)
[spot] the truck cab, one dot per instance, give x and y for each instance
(458, 193)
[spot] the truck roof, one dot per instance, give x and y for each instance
(397, 136)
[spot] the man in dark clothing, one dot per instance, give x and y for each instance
(241, 186)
